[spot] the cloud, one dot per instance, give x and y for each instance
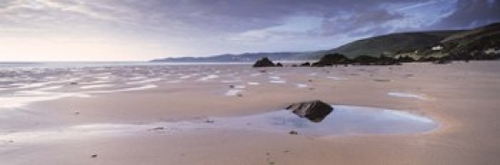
(198, 27)
(417, 5)
(357, 23)
(470, 14)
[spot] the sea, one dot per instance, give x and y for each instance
(103, 64)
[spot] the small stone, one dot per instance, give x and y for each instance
(209, 121)
(231, 86)
(94, 156)
(77, 113)
(73, 83)
(382, 80)
(293, 133)
(157, 129)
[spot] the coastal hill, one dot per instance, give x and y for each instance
(392, 43)
(246, 57)
(484, 39)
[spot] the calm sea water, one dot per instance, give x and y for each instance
(96, 64)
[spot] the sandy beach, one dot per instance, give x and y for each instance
(159, 114)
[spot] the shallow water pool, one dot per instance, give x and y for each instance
(344, 120)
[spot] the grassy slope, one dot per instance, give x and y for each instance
(393, 43)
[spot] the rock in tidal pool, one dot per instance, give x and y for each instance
(315, 111)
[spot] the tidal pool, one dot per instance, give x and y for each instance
(344, 120)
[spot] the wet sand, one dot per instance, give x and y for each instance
(462, 97)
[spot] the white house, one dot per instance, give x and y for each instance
(438, 47)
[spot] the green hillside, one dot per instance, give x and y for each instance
(393, 43)
(479, 39)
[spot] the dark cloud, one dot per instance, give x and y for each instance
(470, 14)
(237, 16)
(359, 23)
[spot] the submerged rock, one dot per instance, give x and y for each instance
(315, 111)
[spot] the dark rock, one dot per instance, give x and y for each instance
(279, 65)
(427, 59)
(473, 56)
(462, 56)
(73, 83)
(157, 129)
(293, 133)
(332, 59)
(264, 62)
(305, 64)
(94, 156)
(381, 80)
(365, 60)
(405, 59)
(370, 60)
(442, 60)
(315, 111)
(384, 60)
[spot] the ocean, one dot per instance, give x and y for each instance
(99, 64)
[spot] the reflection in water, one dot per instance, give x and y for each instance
(344, 120)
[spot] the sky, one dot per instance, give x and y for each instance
(135, 30)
